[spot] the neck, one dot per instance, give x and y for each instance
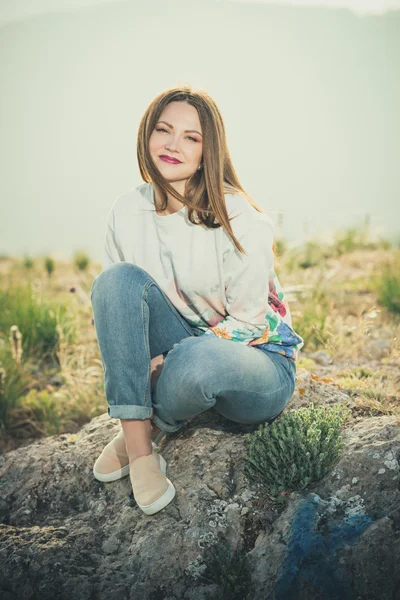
(173, 203)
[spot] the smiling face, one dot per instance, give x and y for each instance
(177, 135)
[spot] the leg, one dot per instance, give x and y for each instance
(137, 432)
(135, 322)
(243, 383)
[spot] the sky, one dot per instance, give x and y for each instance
(309, 97)
(360, 7)
(11, 10)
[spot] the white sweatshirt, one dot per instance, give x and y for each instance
(217, 290)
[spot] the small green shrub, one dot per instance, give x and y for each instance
(386, 283)
(28, 263)
(301, 447)
(49, 265)
(81, 261)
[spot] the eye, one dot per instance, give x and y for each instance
(189, 136)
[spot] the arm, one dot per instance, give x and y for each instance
(246, 280)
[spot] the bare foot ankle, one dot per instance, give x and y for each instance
(137, 434)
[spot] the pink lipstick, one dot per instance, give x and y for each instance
(168, 159)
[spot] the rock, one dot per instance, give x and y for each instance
(64, 534)
(378, 349)
(247, 495)
(322, 357)
(332, 543)
(319, 391)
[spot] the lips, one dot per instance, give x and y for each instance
(168, 159)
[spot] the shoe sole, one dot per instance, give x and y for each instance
(165, 499)
(115, 475)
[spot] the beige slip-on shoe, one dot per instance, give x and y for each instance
(113, 462)
(152, 489)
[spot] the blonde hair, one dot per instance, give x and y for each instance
(205, 189)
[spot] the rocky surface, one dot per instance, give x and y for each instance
(65, 535)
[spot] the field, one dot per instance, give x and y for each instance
(344, 298)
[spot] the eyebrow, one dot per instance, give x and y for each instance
(186, 130)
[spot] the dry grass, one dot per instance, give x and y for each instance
(334, 307)
(358, 331)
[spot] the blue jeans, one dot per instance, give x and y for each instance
(135, 321)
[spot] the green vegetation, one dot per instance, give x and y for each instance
(355, 238)
(14, 379)
(316, 305)
(299, 448)
(42, 407)
(28, 263)
(81, 260)
(34, 340)
(37, 320)
(386, 282)
(339, 294)
(49, 265)
(230, 569)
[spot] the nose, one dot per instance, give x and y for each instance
(173, 143)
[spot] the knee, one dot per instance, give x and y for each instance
(119, 275)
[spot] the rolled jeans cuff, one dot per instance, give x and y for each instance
(130, 411)
(166, 426)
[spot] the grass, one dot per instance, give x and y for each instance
(346, 299)
(57, 339)
(386, 283)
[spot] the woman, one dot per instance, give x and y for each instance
(188, 310)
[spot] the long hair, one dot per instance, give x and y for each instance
(205, 189)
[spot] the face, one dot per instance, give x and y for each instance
(177, 135)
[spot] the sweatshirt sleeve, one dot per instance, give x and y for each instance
(247, 279)
(112, 252)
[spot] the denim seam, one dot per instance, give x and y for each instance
(146, 340)
(146, 289)
(283, 387)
